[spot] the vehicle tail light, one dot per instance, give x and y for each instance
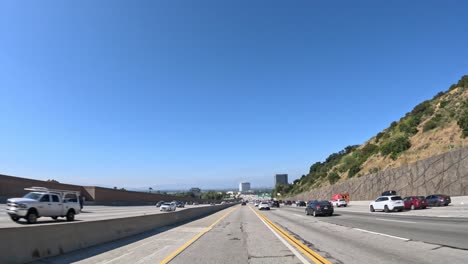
(318, 206)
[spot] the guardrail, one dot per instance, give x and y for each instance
(30, 243)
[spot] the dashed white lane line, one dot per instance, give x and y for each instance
(114, 259)
(381, 234)
(300, 215)
(398, 221)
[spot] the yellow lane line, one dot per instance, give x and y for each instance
(312, 255)
(195, 238)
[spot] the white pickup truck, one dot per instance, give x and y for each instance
(43, 202)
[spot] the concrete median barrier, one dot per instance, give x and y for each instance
(26, 244)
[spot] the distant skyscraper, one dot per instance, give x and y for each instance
(281, 179)
(244, 186)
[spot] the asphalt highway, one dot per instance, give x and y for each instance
(90, 213)
(451, 232)
(242, 234)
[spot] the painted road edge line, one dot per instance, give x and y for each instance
(294, 251)
(195, 238)
(381, 234)
(312, 255)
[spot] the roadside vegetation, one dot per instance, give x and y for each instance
(432, 127)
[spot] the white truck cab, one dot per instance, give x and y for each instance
(44, 202)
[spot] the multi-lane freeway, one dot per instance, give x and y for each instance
(242, 234)
(91, 213)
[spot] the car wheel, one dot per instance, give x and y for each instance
(372, 209)
(330, 214)
(412, 207)
(307, 212)
(14, 218)
(70, 215)
(31, 217)
(345, 205)
(54, 217)
(386, 209)
(314, 213)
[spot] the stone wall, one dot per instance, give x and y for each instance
(445, 174)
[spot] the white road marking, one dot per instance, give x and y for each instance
(381, 234)
(293, 250)
(151, 255)
(399, 221)
(299, 215)
(114, 259)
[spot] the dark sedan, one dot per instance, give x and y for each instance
(316, 208)
(301, 203)
(438, 200)
(415, 202)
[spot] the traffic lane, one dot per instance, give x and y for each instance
(392, 215)
(90, 213)
(147, 248)
(452, 210)
(452, 232)
(239, 238)
(341, 244)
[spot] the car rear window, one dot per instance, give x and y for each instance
(396, 198)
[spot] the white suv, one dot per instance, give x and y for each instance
(387, 204)
(263, 206)
(339, 203)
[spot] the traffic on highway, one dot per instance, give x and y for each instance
(288, 234)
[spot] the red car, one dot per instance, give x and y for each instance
(415, 202)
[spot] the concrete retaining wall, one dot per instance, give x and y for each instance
(446, 174)
(30, 243)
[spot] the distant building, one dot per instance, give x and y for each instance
(244, 186)
(196, 191)
(281, 179)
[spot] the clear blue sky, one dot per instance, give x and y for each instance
(211, 93)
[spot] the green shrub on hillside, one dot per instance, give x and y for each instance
(333, 177)
(443, 104)
(379, 136)
(463, 82)
(423, 109)
(353, 171)
(395, 147)
(463, 123)
(431, 124)
(408, 128)
(436, 121)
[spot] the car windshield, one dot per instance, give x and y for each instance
(32, 195)
(396, 198)
(168, 204)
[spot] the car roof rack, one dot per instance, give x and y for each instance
(47, 190)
